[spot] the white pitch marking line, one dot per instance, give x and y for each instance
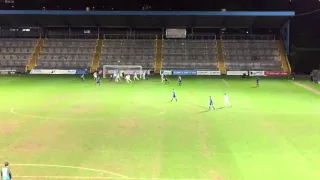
(225, 82)
(37, 117)
(72, 167)
(307, 88)
(83, 177)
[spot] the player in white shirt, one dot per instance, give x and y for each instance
(95, 75)
(5, 172)
(128, 80)
(117, 79)
(143, 75)
(135, 76)
(162, 77)
(226, 100)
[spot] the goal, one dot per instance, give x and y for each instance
(127, 69)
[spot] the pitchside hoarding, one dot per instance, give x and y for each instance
(208, 73)
(166, 72)
(184, 72)
(256, 73)
(266, 73)
(7, 72)
(237, 73)
(57, 71)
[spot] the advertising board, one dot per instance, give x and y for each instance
(208, 73)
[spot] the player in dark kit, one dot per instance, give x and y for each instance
(98, 80)
(166, 81)
(257, 80)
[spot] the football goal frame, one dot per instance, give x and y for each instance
(127, 69)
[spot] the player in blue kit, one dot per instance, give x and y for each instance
(211, 104)
(257, 80)
(179, 80)
(174, 96)
(98, 80)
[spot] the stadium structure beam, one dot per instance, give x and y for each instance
(285, 35)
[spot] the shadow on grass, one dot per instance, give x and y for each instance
(205, 111)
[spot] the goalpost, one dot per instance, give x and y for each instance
(127, 69)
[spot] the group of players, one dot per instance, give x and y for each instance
(164, 79)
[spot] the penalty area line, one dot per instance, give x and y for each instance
(87, 177)
(73, 167)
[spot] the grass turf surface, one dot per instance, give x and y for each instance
(132, 130)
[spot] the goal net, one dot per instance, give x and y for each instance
(127, 69)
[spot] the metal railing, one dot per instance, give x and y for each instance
(71, 36)
(130, 36)
(247, 37)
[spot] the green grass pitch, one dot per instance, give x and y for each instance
(58, 127)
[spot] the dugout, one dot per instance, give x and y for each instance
(94, 24)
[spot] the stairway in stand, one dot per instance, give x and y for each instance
(33, 60)
(158, 57)
(97, 55)
(285, 65)
(220, 64)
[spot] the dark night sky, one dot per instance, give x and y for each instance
(304, 29)
(297, 5)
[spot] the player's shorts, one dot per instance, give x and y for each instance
(5, 178)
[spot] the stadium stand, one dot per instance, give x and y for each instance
(129, 52)
(256, 55)
(190, 54)
(66, 53)
(15, 53)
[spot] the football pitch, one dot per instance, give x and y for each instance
(58, 127)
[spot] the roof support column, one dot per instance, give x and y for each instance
(285, 35)
(69, 32)
(98, 32)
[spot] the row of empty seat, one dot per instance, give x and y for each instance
(258, 55)
(15, 53)
(67, 53)
(176, 53)
(190, 54)
(129, 52)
